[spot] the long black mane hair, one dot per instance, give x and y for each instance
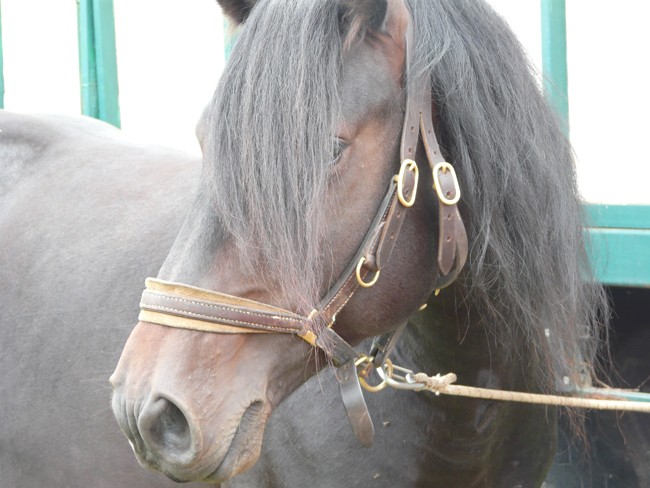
(528, 273)
(270, 136)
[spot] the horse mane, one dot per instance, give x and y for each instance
(527, 276)
(269, 173)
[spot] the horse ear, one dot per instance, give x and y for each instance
(360, 16)
(237, 10)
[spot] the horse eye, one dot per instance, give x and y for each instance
(339, 146)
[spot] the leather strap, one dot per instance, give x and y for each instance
(355, 404)
(375, 249)
(384, 344)
(452, 237)
(216, 311)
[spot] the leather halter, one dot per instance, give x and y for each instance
(187, 307)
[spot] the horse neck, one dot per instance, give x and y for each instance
(444, 338)
(448, 338)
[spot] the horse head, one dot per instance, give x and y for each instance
(326, 214)
(300, 144)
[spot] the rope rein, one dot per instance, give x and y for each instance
(401, 378)
(444, 385)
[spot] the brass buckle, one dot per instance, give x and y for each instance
(309, 336)
(360, 280)
(444, 167)
(410, 165)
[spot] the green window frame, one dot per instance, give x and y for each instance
(98, 60)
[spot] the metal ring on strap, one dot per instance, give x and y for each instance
(367, 386)
(362, 283)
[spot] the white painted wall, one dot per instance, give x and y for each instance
(41, 62)
(525, 19)
(170, 54)
(609, 98)
(608, 51)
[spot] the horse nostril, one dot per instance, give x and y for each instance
(171, 429)
(167, 433)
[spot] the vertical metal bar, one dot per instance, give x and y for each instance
(98, 60)
(2, 76)
(554, 57)
(106, 61)
(87, 62)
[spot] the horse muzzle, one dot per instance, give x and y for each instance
(166, 439)
(179, 420)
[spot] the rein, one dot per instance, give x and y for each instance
(187, 307)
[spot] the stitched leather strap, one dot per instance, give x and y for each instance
(384, 344)
(355, 405)
(216, 311)
(376, 249)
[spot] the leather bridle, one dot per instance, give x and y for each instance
(187, 307)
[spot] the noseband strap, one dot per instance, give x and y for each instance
(187, 307)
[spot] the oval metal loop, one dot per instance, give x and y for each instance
(444, 167)
(360, 280)
(398, 381)
(407, 165)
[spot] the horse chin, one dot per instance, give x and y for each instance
(246, 443)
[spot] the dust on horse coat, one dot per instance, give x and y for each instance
(84, 215)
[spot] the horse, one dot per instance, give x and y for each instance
(293, 253)
(84, 211)
(299, 144)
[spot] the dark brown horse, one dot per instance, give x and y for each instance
(309, 125)
(304, 135)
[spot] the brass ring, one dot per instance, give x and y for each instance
(410, 165)
(363, 358)
(372, 388)
(360, 280)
